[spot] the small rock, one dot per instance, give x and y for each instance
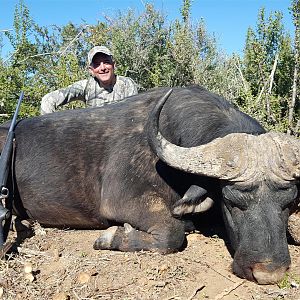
(61, 296)
(160, 283)
(56, 255)
(83, 278)
(193, 237)
(1, 292)
(293, 227)
(163, 269)
(27, 268)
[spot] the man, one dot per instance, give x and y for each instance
(101, 88)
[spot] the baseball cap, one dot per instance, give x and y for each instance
(97, 49)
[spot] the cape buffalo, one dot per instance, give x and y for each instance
(136, 167)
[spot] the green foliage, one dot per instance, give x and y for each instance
(284, 72)
(289, 281)
(294, 102)
(186, 10)
(139, 44)
(261, 48)
(154, 52)
(268, 69)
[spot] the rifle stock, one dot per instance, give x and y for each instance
(5, 159)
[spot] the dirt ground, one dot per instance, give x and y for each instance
(61, 264)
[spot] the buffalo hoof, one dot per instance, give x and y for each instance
(105, 239)
(294, 227)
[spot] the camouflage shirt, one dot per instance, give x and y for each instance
(89, 91)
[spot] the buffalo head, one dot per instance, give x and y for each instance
(258, 177)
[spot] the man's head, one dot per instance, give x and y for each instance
(101, 65)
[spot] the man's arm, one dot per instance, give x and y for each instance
(51, 101)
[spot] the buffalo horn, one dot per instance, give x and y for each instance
(235, 157)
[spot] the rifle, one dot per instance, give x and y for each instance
(5, 159)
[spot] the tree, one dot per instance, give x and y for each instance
(295, 9)
(261, 48)
(268, 63)
(183, 49)
(139, 44)
(263, 83)
(14, 76)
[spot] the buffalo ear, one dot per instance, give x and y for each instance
(195, 200)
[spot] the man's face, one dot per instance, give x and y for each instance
(102, 67)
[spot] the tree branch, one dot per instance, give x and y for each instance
(269, 81)
(294, 95)
(60, 52)
(238, 66)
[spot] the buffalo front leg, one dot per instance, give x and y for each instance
(164, 239)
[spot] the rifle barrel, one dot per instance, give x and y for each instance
(5, 158)
(13, 122)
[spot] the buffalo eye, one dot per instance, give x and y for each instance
(236, 203)
(236, 197)
(287, 197)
